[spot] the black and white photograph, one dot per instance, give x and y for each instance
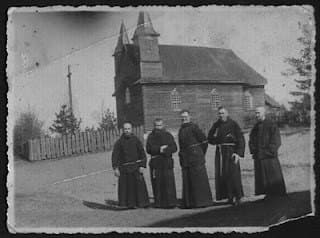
(159, 119)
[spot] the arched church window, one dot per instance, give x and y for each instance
(128, 96)
(175, 99)
(247, 101)
(215, 99)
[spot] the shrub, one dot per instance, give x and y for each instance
(26, 127)
(65, 122)
(109, 121)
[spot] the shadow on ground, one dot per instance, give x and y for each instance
(109, 205)
(112, 205)
(257, 213)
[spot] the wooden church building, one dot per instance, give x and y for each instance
(153, 80)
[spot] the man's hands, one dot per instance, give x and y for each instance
(153, 174)
(236, 158)
(141, 170)
(117, 173)
(162, 148)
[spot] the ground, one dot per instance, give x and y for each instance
(44, 197)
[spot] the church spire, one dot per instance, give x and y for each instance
(144, 26)
(123, 39)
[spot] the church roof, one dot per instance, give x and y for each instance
(202, 64)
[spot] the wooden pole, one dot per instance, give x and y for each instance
(69, 87)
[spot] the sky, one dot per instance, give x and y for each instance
(41, 44)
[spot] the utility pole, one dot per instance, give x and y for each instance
(69, 87)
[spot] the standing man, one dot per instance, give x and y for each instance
(161, 146)
(227, 136)
(128, 161)
(264, 142)
(193, 147)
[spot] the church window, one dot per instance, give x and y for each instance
(128, 96)
(247, 101)
(175, 100)
(215, 99)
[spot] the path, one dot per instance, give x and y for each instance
(42, 199)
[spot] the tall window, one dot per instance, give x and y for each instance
(175, 100)
(247, 101)
(128, 96)
(215, 99)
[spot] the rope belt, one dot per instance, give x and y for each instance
(227, 144)
(220, 152)
(155, 156)
(203, 142)
(134, 162)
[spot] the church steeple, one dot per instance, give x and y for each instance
(145, 38)
(123, 39)
(144, 27)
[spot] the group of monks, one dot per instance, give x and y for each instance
(129, 161)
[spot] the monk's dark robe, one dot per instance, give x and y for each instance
(128, 155)
(264, 142)
(193, 145)
(228, 138)
(161, 168)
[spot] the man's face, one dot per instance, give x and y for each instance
(260, 114)
(158, 125)
(185, 117)
(222, 114)
(127, 128)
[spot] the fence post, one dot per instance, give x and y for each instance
(64, 141)
(77, 136)
(48, 148)
(53, 149)
(37, 146)
(85, 141)
(81, 143)
(94, 141)
(60, 147)
(56, 143)
(43, 149)
(98, 140)
(88, 136)
(69, 145)
(101, 140)
(104, 138)
(73, 144)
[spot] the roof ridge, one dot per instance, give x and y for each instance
(191, 46)
(194, 46)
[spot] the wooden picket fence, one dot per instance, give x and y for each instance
(79, 143)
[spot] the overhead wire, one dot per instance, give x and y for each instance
(129, 29)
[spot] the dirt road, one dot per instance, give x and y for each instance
(72, 192)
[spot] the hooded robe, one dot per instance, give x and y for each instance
(127, 156)
(193, 145)
(229, 139)
(264, 142)
(161, 168)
